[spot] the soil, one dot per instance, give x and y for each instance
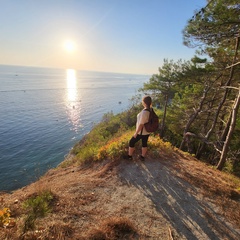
(171, 197)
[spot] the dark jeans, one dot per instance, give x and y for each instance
(134, 140)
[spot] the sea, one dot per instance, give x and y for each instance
(44, 112)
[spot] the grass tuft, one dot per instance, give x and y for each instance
(115, 229)
(36, 207)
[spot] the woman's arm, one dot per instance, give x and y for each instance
(140, 127)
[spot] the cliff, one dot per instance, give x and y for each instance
(173, 196)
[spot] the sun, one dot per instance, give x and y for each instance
(69, 46)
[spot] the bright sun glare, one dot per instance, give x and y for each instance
(69, 46)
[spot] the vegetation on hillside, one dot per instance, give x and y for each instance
(67, 198)
(197, 100)
(108, 142)
(198, 103)
(200, 98)
(109, 139)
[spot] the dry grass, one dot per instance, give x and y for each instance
(114, 229)
(129, 200)
(218, 187)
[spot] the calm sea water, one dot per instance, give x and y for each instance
(44, 112)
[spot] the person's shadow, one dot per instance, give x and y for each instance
(174, 198)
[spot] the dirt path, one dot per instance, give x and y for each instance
(155, 196)
(190, 214)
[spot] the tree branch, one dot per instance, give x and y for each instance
(233, 65)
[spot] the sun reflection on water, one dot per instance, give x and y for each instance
(71, 85)
(73, 107)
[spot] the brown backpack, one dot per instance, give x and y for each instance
(153, 122)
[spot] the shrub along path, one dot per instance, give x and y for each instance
(172, 197)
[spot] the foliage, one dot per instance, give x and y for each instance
(5, 217)
(109, 139)
(215, 29)
(114, 148)
(162, 86)
(91, 148)
(36, 207)
(217, 23)
(117, 147)
(195, 97)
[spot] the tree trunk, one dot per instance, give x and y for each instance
(164, 117)
(230, 133)
(193, 117)
(209, 133)
(202, 144)
(228, 83)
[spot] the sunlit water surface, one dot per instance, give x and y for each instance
(44, 112)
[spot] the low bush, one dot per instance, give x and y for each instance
(91, 147)
(36, 207)
(5, 217)
(110, 138)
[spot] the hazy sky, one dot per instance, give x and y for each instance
(128, 36)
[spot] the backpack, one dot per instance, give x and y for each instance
(153, 122)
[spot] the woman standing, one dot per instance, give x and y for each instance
(141, 133)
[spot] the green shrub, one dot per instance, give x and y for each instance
(91, 147)
(110, 138)
(115, 148)
(37, 207)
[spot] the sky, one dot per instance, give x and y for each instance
(123, 36)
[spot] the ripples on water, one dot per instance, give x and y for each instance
(44, 112)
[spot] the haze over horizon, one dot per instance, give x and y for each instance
(95, 35)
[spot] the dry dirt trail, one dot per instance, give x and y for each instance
(189, 213)
(171, 198)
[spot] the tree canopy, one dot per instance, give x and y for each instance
(200, 97)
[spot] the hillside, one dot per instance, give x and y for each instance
(172, 197)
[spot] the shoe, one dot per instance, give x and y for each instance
(128, 157)
(141, 157)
